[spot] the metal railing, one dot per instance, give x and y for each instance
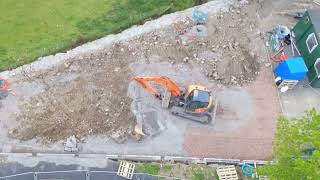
(82, 175)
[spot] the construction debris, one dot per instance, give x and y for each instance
(4, 88)
(4, 85)
(199, 16)
(3, 94)
(71, 144)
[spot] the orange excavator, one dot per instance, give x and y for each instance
(196, 103)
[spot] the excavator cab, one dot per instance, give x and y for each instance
(197, 100)
(196, 105)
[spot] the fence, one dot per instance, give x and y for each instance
(106, 175)
(81, 175)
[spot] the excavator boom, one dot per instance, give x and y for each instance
(171, 86)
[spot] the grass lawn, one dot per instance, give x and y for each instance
(33, 28)
(149, 168)
(178, 171)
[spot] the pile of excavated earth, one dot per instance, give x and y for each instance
(87, 95)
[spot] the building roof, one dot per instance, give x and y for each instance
(292, 69)
(315, 18)
(296, 65)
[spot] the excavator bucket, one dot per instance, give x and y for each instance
(166, 99)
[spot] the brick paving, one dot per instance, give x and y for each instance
(253, 140)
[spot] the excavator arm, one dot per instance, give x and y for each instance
(159, 80)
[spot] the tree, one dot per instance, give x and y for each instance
(296, 149)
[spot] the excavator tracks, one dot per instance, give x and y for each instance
(204, 118)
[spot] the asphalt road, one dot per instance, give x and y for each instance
(51, 171)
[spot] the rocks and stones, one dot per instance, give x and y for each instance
(234, 80)
(119, 137)
(216, 76)
(71, 144)
(3, 94)
(186, 59)
(252, 54)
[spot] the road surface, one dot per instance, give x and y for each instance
(53, 171)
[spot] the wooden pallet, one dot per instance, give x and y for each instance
(126, 169)
(263, 178)
(289, 83)
(227, 172)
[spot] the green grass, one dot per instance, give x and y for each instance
(198, 175)
(167, 167)
(33, 28)
(152, 169)
(201, 173)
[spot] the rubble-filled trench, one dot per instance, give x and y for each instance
(87, 95)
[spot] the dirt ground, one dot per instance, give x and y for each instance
(90, 95)
(205, 172)
(80, 98)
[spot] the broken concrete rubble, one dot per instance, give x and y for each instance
(71, 144)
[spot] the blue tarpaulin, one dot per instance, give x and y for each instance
(291, 69)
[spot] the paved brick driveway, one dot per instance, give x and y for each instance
(253, 140)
